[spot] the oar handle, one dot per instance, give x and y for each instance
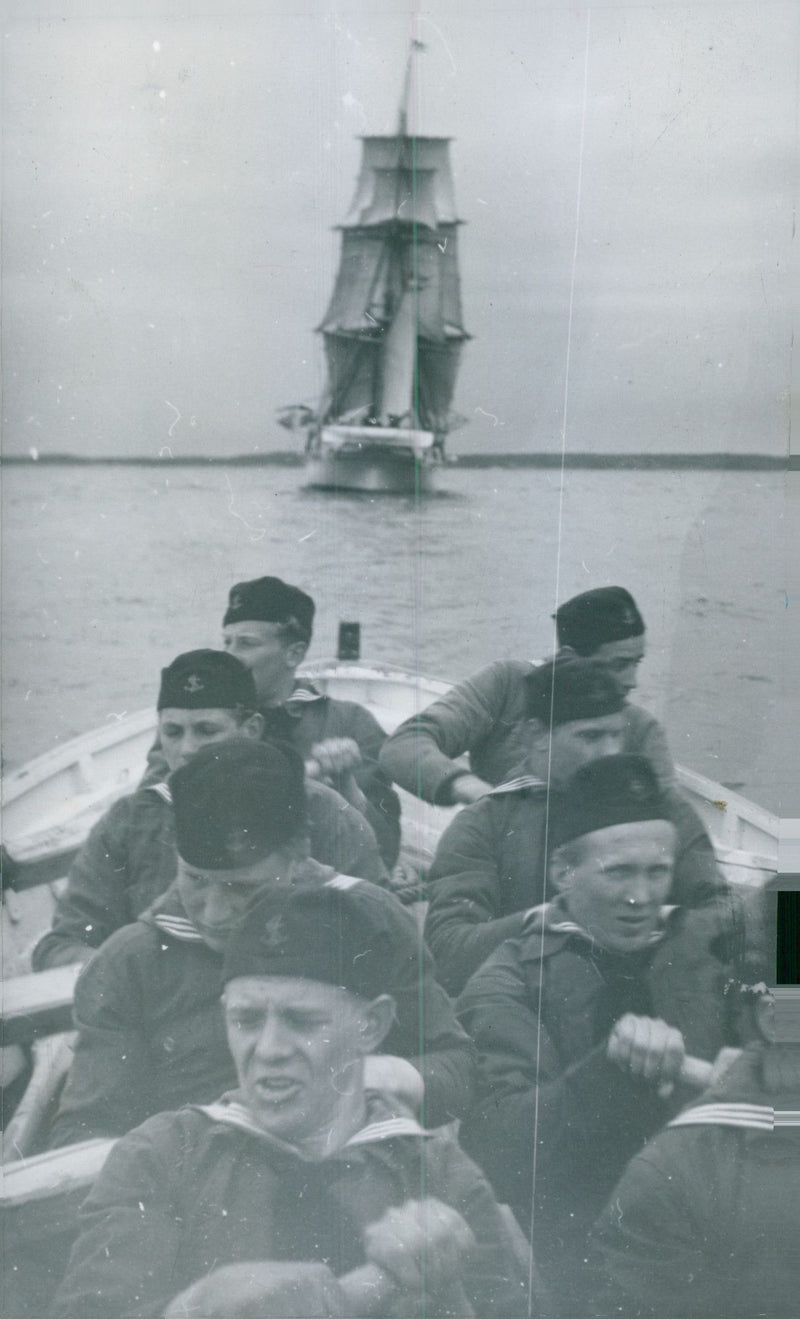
(367, 1290)
(696, 1072)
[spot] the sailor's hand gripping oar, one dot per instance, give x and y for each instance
(648, 1047)
(414, 1249)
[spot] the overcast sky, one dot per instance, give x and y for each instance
(170, 184)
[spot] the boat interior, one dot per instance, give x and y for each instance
(50, 805)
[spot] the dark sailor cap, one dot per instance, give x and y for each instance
(322, 933)
(597, 617)
(269, 600)
(206, 680)
(569, 688)
(236, 802)
(609, 791)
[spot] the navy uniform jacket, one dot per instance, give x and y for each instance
(189, 1192)
(485, 716)
(129, 860)
(540, 1012)
(489, 869)
(706, 1219)
(151, 1034)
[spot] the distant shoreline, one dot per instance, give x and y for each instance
(596, 461)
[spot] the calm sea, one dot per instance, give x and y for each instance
(110, 571)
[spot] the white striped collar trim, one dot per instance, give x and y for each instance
(180, 927)
(755, 1117)
(304, 695)
(567, 926)
(234, 1114)
(517, 784)
(342, 882)
(163, 791)
(787, 1117)
(564, 927)
(385, 1129)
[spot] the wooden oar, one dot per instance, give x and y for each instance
(366, 1290)
(696, 1072)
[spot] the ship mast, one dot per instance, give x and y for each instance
(398, 363)
(397, 390)
(402, 118)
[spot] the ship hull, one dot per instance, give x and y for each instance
(377, 460)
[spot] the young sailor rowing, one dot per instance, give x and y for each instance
(150, 1030)
(583, 1021)
(486, 715)
(490, 865)
(705, 1220)
(266, 1201)
(268, 626)
(129, 858)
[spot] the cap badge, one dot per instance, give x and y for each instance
(238, 843)
(638, 788)
(235, 600)
(628, 617)
(274, 934)
(193, 684)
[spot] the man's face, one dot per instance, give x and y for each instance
(294, 1042)
(215, 900)
(266, 652)
(616, 881)
(580, 741)
(621, 660)
(183, 732)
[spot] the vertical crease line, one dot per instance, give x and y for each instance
(565, 413)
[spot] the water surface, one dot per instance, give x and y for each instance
(111, 571)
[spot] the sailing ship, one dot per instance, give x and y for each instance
(394, 329)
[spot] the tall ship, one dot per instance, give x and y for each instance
(394, 329)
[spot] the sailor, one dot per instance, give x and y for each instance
(150, 1031)
(489, 869)
(485, 716)
(129, 858)
(266, 1201)
(706, 1219)
(268, 626)
(583, 1021)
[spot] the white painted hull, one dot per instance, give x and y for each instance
(378, 459)
(389, 474)
(50, 804)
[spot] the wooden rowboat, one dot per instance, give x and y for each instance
(51, 803)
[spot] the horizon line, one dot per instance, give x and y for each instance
(540, 458)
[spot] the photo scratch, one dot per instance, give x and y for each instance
(178, 415)
(255, 533)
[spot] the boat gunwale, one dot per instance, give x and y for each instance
(68, 756)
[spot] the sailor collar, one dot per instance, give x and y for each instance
(382, 1124)
(304, 693)
(162, 790)
(179, 927)
(519, 783)
(751, 1117)
(551, 918)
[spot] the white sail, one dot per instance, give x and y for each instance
(396, 403)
